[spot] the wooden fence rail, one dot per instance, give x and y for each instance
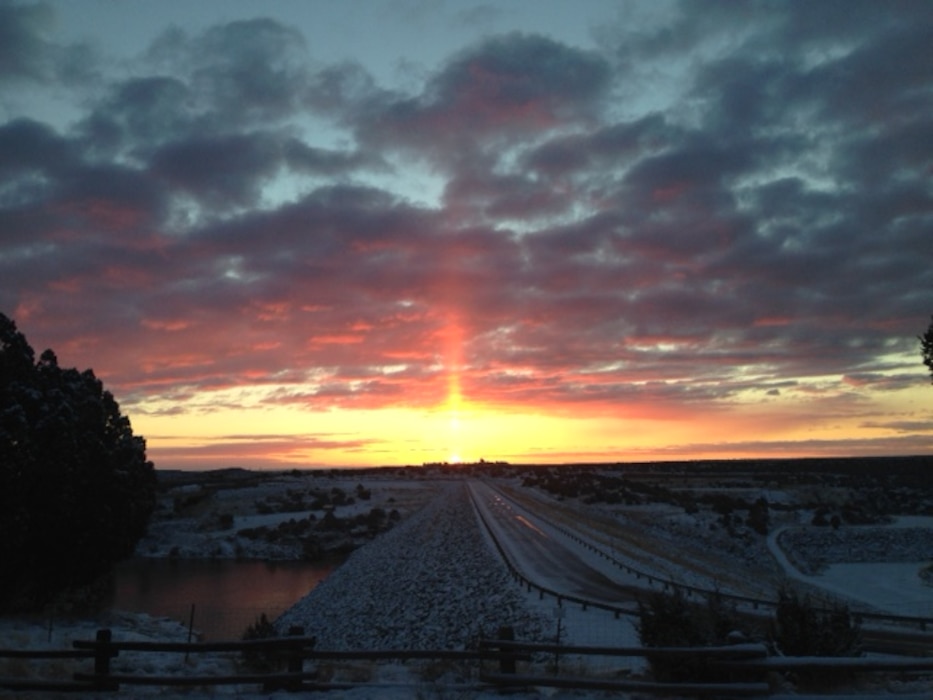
(496, 660)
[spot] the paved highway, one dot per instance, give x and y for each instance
(552, 561)
(542, 555)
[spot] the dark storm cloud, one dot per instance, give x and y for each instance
(768, 227)
(224, 171)
(884, 78)
(246, 70)
(23, 49)
(501, 198)
(141, 112)
(33, 158)
(32, 147)
(514, 85)
(27, 55)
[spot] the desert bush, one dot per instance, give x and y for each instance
(258, 660)
(758, 517)
(255, 533)
(312, 549)
(670, 620)
(802, 629)
(330, 521)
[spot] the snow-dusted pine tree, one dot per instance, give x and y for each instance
(76, 489)
(926, 348)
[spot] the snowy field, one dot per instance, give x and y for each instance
(893, 584)
(207, 520)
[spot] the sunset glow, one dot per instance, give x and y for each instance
(305, 234)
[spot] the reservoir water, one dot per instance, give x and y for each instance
(228, 595)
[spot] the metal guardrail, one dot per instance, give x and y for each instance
(668, 584)
(543, 590)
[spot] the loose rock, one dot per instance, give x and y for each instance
(431, 583)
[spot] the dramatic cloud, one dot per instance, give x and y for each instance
(726, 210)
(27, 54)
(512, 84)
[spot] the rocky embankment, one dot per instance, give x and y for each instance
(432, 582)
(812, 549)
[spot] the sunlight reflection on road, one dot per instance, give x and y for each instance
(524, 521)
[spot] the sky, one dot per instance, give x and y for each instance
(306, 233)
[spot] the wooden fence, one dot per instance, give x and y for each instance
(496, 662)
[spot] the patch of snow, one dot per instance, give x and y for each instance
(892, 587)
(875, 565)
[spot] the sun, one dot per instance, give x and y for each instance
(453, 459)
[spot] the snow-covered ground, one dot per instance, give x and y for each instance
(876, 565)
(57, 634)
(431, 581)
(209, 520)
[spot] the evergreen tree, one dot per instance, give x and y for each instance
(76, 490)
(926, 348)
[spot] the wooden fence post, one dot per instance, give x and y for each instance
(295, 657)
(103, 652)
(506, 664)
(190, 629)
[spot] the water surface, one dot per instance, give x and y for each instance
(228, 595)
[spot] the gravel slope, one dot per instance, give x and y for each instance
(432, 582)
